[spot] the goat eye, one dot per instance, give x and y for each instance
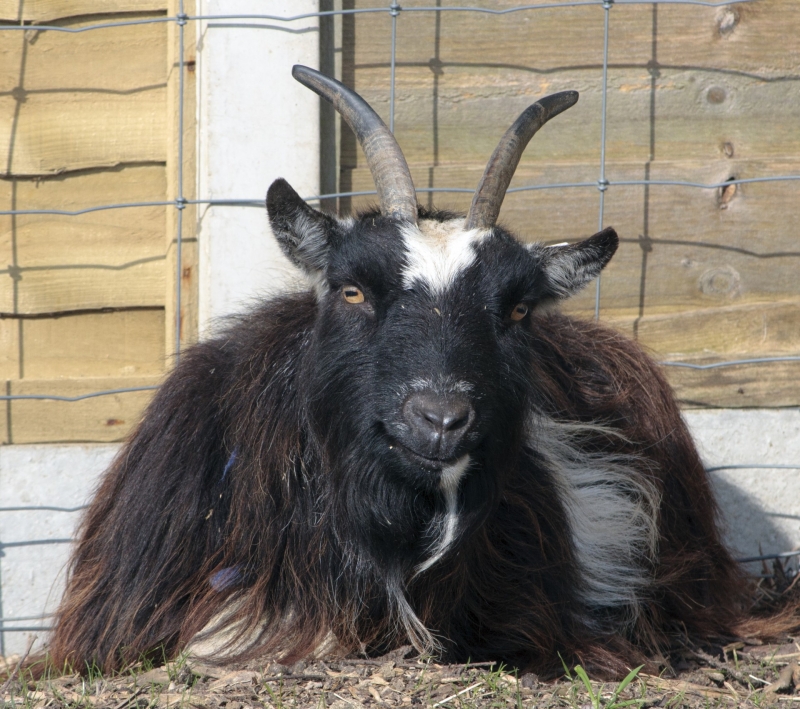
(353, 295)
(520, 311)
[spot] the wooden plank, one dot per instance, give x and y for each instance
(76, 290)
(189, 273)
(753, 385)
(48, 10)
(725, 332)
(455, 97)
(132, 183)
(107, 266)
(53, 133)
(686, 248)
(757, 38)
(116, 344)
(116, 61)
(114, 257)
(5, 429)
(96, 344)
(460, 116)
(70, 101)
(100, 419)
(9, 351)
(760, 34)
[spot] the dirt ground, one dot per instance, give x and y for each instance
(747, 673)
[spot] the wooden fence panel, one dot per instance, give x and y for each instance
(40, 11)
(115, 344)
(83, 123)
(100, 419)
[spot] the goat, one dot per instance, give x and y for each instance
(418, 448)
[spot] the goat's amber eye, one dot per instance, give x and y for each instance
(353, 295)
(520, 311)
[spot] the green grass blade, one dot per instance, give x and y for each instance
(595, 698)
(564, 665)
(625, 682)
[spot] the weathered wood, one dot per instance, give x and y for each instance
(456, 95)
(116, 344)
(752, 385)
(758, 39)
(115, 61)
(100, 419)
(473, 107)
(9, 351)
(53, 133)
(188, 255)
(83, 122)
(724, 332)
(47, 10)
(115, 256)
(87, 286)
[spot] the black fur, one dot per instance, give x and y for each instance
(279, 478)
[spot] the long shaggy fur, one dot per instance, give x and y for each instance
(515, 591)
(413, 451)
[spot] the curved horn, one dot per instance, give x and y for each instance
(500, 169)
(385, 160)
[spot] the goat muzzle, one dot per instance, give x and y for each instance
(437, 424)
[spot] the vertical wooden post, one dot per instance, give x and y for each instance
(255, 124)
(185, 187)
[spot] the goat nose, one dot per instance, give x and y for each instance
(438, 423)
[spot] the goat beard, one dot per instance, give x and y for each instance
(392, 509)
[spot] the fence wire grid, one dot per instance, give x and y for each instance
(395, 10)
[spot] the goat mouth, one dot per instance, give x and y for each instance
(433, 464)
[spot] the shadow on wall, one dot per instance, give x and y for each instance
(749, 529)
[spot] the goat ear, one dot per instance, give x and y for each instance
(570, 268)
(302, 232)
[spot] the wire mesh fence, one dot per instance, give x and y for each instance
(183, 21)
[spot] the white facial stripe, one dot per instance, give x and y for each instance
(437, 252)
(451, 477)
(452, 474)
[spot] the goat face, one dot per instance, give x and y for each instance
(421, 349)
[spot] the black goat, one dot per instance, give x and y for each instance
(417, 449)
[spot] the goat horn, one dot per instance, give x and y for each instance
(500, 169)
(385, 160)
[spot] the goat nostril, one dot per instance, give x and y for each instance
(456, 419)
(439, 416)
